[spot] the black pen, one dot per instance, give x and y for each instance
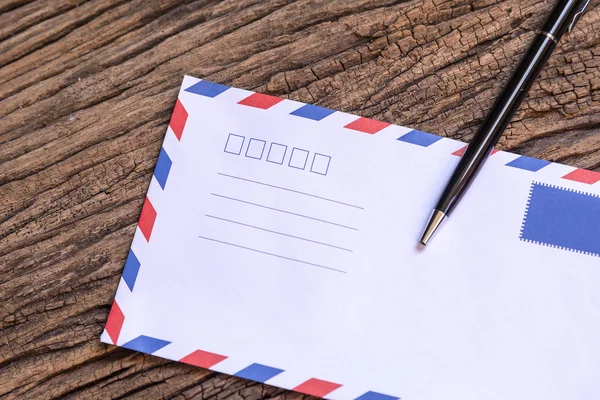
(562, 18)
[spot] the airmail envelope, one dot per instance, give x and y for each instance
(278, 243)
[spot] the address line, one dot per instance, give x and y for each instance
(271, 254)
(290, 190)
(284, 211)
(277, 233)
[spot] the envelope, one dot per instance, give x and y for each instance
(279, 243)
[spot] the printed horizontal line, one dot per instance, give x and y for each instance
(278, 233)
(271, 254)
(290, 190)
(284, 211)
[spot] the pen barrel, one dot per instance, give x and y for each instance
(564, 14)
(496, 121)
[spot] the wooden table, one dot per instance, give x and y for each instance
(86, 92)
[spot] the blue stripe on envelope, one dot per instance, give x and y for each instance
(312, 112)
(528, 163)
(146, 344)
(258, 372)
(130, 272)
(420, 138)
(206, 88)
(163, 167)
(563, 218)
(376, 396)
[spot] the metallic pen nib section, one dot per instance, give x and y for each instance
(434, 223)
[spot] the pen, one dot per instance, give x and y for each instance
(562, 18)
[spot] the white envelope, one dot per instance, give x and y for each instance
(278, 242)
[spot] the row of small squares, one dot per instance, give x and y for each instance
(276, 153)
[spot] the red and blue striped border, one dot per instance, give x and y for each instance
(149, 214)
(370, 126)
(204, 359)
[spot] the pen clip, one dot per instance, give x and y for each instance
(578, 15)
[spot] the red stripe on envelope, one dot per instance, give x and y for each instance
(583, 176)
(202, 359)
(316, 387)
(260, 100)
(460, 152)
(147, 218)
(367, 125)
(178, 119)
(114, 323)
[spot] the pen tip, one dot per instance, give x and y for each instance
(432, 226)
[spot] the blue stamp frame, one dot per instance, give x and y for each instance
(562, 218)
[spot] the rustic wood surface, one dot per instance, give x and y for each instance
(86, 92)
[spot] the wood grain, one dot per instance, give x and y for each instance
(86, 91)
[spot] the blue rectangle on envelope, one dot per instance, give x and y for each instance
(563, 218)
(258, 372)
